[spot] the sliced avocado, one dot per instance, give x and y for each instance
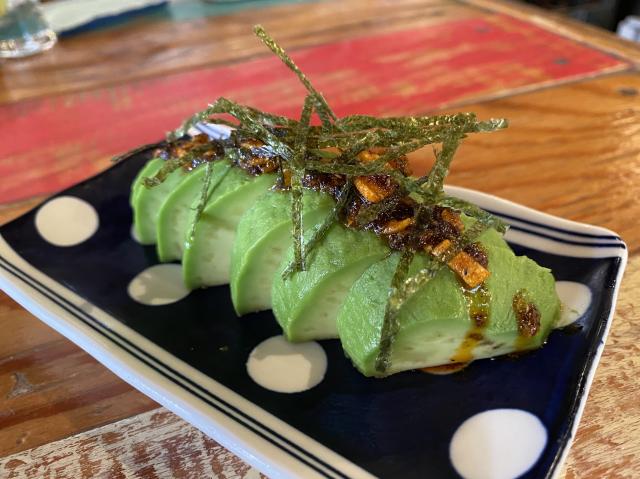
(149, 169)
(262, 239)
(435, 324)
(207, 255)
(306, 304)
(175, 213)
(147, 202)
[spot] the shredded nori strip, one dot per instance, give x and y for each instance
(324, 111)
(192, 158)
(366, 122)
(297, 164)
(440, 169)
(205, 194)
(322, 230)
(390, 325)
(165, 170)
(370, 212)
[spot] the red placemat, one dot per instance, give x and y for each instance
(48, 144)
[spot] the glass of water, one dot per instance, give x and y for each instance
(23, 29)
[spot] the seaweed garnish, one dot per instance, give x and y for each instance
(322, 107)
(440, 169)
(395, 301)
(297, 166)
(320, 232)
(206, 191)
(367, 215)
(338, 147)
(193, 157)
(402, 288)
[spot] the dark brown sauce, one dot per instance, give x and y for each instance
(479, 300)
(527, 318)
(206, 151)
(256, 158)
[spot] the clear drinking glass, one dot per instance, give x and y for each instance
(23, 29)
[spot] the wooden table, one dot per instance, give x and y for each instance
(570, 91)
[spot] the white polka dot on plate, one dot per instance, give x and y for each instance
(158, 285)
(497, 444)
(134, 234)
(66, 221)
(575, 298)
(285, 367)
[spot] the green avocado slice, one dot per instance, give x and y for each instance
(207, 255)
(306, 304)
(147, 202)
(435, 324)
(149, 169)
(261, 241)
(177, 210)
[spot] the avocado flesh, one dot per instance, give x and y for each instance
(262, 237)
(307, 302)
(207, 255)
(174, 219)
(149, 169)
(147, 202)
(435, 321)
(433, 324)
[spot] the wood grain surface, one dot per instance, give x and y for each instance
(449, 62)
(573, 149)
(564, 25)
(119, 55)
(155, 444)
(50, 388)
(608, 442)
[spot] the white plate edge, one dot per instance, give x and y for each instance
(481, 198)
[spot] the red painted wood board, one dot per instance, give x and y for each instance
(48, 144)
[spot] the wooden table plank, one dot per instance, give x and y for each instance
(50, 388)
(572, 150)
(564, 25)
(405, 72)
(10, 211)
(155, 444)
(608, 442)
(120, 55)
